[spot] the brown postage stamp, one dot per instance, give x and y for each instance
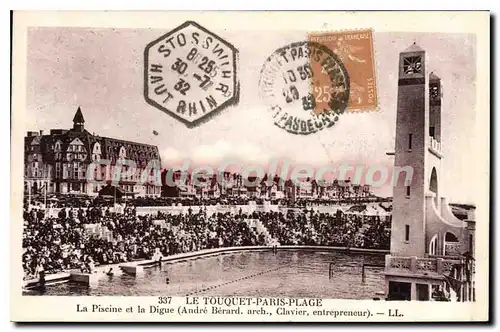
(354, 48)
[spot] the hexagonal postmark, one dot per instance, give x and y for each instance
(190, 73)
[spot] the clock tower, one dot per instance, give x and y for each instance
(427, 240)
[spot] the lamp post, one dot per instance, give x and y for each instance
(45, 193)
(29, 194)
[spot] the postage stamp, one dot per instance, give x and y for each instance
(306, 86)
(190, 73)
(355, 49)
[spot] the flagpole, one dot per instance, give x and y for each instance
(29, 194)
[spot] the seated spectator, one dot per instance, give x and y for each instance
(81, 238)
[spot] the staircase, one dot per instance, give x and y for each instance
(261, 229)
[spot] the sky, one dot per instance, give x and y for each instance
(101, 71)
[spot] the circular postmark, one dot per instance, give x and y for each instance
(190, 73)
(306, 86)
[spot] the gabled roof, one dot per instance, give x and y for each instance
(76, 141)
(36, 140)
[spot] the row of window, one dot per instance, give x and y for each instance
(72, 171)
(37, 170)
(76, 148)
(71, 148)
(97, 149)
(70, 156)
(153, 190)
(35, 173)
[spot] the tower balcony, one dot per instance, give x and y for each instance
(434, 268)
(435, 146)
(424, 279)
(452, 248)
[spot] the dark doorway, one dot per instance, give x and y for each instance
(422, 292)
(399, 291)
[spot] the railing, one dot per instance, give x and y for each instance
(435, 145)
(400, 262)
(427, 264)
(452, 249)
(419, 265)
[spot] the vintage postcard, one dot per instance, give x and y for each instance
(250, 166)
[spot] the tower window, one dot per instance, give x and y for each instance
(434, 92)
(410, 141)
(408, 191)
(432, 131)
(412, 65)
(407, 232)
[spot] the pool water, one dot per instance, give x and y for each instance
(285, 273)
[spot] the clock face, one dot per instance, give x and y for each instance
(434, 92)
(412, 65)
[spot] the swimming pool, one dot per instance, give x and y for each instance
(286, 273)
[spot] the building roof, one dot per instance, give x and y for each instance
(140, 153)
(414, 48)
(78, 116)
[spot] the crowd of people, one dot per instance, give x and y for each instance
(64, 201)
(328, 229)
(65, 242)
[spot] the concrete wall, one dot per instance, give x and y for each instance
(409, 210)
(439, 224)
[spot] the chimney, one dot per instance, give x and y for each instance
(41, 132)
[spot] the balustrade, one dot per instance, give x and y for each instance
(420, 265)
(435, 145)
